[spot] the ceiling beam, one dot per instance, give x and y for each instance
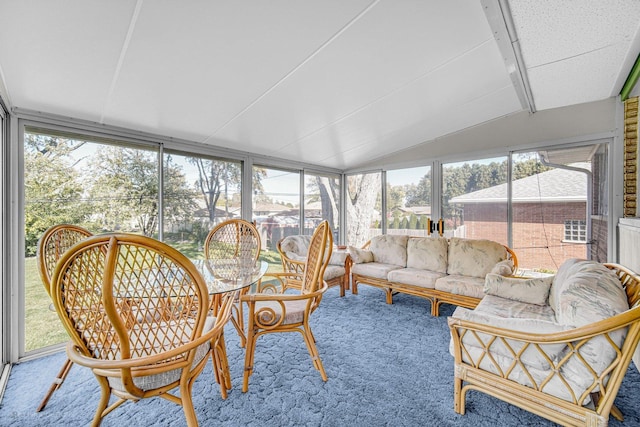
(504, 31)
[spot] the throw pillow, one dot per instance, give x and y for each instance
(360, 256)
(503, 268)
(532, 291)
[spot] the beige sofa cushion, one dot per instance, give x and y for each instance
(360, 256)
(532, 291)
(461, 285)
(504, 268)
(297, 244)
(296, 248)
(374, 269)
(390, 249)
(502, 307)
(428, 253)
(531, 355)
(415, 277)
(475, 258)
(590, 293)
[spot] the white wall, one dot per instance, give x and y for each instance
(519, 129)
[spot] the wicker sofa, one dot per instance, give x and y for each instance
(441, 270)
(558, 347)
(293, 251)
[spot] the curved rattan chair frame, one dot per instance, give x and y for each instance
(136, 310)
(53, 243)
(234, 239)
(297, 267)
(605, 381)
(264, 320)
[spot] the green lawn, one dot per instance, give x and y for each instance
(43, 327)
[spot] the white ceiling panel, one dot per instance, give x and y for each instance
(573, 51)
(61, 58)
(432, 108)
(334, 83)
(188, 70)
(387, 50)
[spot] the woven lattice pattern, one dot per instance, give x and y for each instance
(272, 310)
(54, 242)
(319, 250)
(552, 373)
(128, 300)
(231, 239)
(137, 312)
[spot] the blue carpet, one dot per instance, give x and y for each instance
(388, 365)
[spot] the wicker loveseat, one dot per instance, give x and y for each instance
(293, 251)
(558, 347)
(441, 270)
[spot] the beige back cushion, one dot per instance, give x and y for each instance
(427, 253)
(297, 244)
(389, 249)
(474, 257)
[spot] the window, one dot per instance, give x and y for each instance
(363, 207)
(321, 202)
(575, 231)
(198, 193)
(474, 199)
(408, 201)
(559, 205)
(96, 184)
(276, 204)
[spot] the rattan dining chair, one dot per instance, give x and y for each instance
(137, 311)
(55, 241)
(271, 310)
(239, 240)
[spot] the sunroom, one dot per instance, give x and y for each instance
(499, 119)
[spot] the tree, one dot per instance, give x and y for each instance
(326, 191)
(362, 191)
(125, 189)
(420, 194)
(53, 194)
(215, 178)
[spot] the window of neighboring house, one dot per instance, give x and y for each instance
(575, 231)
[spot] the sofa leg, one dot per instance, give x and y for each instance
(389, 296)
(458, 396)
(435, 305)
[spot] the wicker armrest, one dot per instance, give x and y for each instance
(555, 364)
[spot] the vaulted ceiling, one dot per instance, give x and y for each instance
(334, 83)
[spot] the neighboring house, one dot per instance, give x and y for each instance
(549, 216)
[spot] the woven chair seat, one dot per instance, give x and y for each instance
(294, 310)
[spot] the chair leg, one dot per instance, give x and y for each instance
(221, 366)
(62, 375)
(238, 322)
(313, 351)
(105, 394)
(187, 403)
(248, 358)
(458, 396)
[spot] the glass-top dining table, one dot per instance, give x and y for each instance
(228, 275)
